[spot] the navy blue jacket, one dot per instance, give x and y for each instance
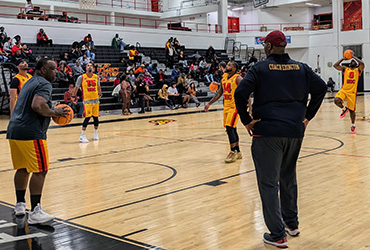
(281, 87)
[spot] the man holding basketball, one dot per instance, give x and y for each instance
(349, 89)
(27, 139)
(91, 92)
(229, 82)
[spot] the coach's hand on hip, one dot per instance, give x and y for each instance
(250, 126)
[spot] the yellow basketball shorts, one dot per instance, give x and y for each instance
(350, 97)
(231, 117)
(91, 109)
(32, 155)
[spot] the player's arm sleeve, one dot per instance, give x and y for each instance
(79, 82)
(14, 83)
(317, 91)
(242, 94)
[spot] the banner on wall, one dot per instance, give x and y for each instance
(257, 40)
(352, 15)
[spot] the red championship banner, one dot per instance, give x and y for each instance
(352, 15)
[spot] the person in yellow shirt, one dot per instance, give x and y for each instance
(349, 89)
(229, 83)
(91, 92)
(18, 82)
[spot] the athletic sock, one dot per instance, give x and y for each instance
(237, 149)
(95, 130)
(83, 132)
(35, 199)
(20, 195)
(353, 125)
(344, 108)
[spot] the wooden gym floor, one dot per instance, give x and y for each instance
(147, 186)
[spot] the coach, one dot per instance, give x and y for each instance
(280, 116)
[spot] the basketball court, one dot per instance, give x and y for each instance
(160, 182)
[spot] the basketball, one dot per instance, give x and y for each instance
(213, 87)
(60, 120)
(348, 54)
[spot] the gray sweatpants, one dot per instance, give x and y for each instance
(275, 160)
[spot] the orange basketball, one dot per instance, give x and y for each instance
(213, 87)
(348, 54)
(60, 120)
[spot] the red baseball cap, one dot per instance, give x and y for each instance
(276, 38)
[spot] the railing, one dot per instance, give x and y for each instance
(107, 19)
(127, 4)
(314, 25)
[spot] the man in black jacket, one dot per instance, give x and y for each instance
(280, 117)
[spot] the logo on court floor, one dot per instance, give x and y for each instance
(364, 118)
(161, 122)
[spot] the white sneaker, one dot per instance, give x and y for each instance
(96, 137)
(20, 208)
(38, 216)
(83, 139)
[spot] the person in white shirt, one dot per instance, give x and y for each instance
(29, 6)
(174, 95)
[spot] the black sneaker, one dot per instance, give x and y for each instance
(344, 112)
(141, 112)
(281, 243)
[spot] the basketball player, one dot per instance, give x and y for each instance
(280, 115)
(91, 92)
(18, 81)
(27, 139)
(229, 82)
(349, 89)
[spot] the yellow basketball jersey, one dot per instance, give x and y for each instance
(22, 80)
(89, 87)
(350, 80)
(229, 85)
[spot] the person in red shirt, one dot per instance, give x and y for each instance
(16, 47)
(88, 39)
(43, 39)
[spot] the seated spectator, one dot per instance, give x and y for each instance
(161, 78)
(131, 77)
(174, 95)
(125, 94)
(64, 17)
(330, 84)
(16, 47)
(8, 45)
(3, 54)
(17, 39)
(2, 31)
(63, 78)
(43, 39)
(196, 56)
(88, 52)
(210, 53)
(77, 70)
(193, 94)
(182, 60)
(140, 70)
(153, 70)
(73, 101)
(133, 54)
(3, 38)
(148, 78)
(182, 88)
(177, 45)
(194, 70)
(118, 42)
(84, 60)
(131, 66)
(76, 53)
(28, 7)
(175, 73)
(163, 97)
(18, 56)
(28, 53)
(88, 39)
(124, 64)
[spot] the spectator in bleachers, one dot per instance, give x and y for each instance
(214, 63)
(118, 42)
(16, 47)
(181, 59)
(141, 90)
(178, 47)
(163, 97)
(76, 53)
(29, 6)
(8, 45)
(210, 53)
(140, 70)
(175, 73)
(88, 52)
(63, 78)
(133, 54)
(88, 39)
(182, 88)
(28, 53)
(18, 56)
(73, 101)
(194, 70)
(203, 66)
(124, 64)
(131, 66)
(193, 94)
(84, 60)
(153, 70)
(170, 55)
(174, 95)
(3, 55)
(168, 43)
(161, 78)
(196, 56)
(43, 39)
(3, 38)
(77, 70)
(2, 31)
(125, 94)
(17, 39)
(131, 77)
